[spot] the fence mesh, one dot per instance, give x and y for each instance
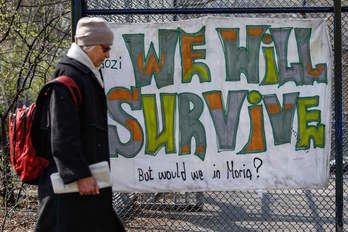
(160, 4)
(276, 210)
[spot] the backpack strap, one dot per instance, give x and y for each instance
(72, 87)
(41, 120)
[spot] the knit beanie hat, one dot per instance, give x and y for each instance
(93, 31)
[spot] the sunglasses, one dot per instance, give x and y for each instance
(105, 49)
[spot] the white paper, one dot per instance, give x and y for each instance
(100, 171)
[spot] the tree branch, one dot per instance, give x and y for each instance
(11, 23)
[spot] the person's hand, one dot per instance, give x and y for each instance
(88, 186)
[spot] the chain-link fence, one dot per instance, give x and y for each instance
(276, 210)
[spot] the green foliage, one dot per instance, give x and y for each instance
(33, 35)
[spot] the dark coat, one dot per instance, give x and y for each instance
(78, 138)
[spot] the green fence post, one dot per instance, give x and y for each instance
(77, 7)
(338, 116)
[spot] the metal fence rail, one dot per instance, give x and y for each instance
(276, 210)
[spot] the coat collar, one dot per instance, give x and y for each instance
(76, 53)
(76, 64)
(65, 60)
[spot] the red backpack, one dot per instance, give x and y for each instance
(29, 130)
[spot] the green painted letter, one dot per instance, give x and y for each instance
(306, 132)
(161, 67)
(167, 136)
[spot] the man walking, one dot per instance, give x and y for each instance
(79, 138)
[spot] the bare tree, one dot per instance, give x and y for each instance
(33, 34)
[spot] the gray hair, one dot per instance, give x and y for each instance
(88, 48)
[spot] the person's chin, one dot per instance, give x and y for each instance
(98, 66)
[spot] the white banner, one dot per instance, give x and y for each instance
(215, 104)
